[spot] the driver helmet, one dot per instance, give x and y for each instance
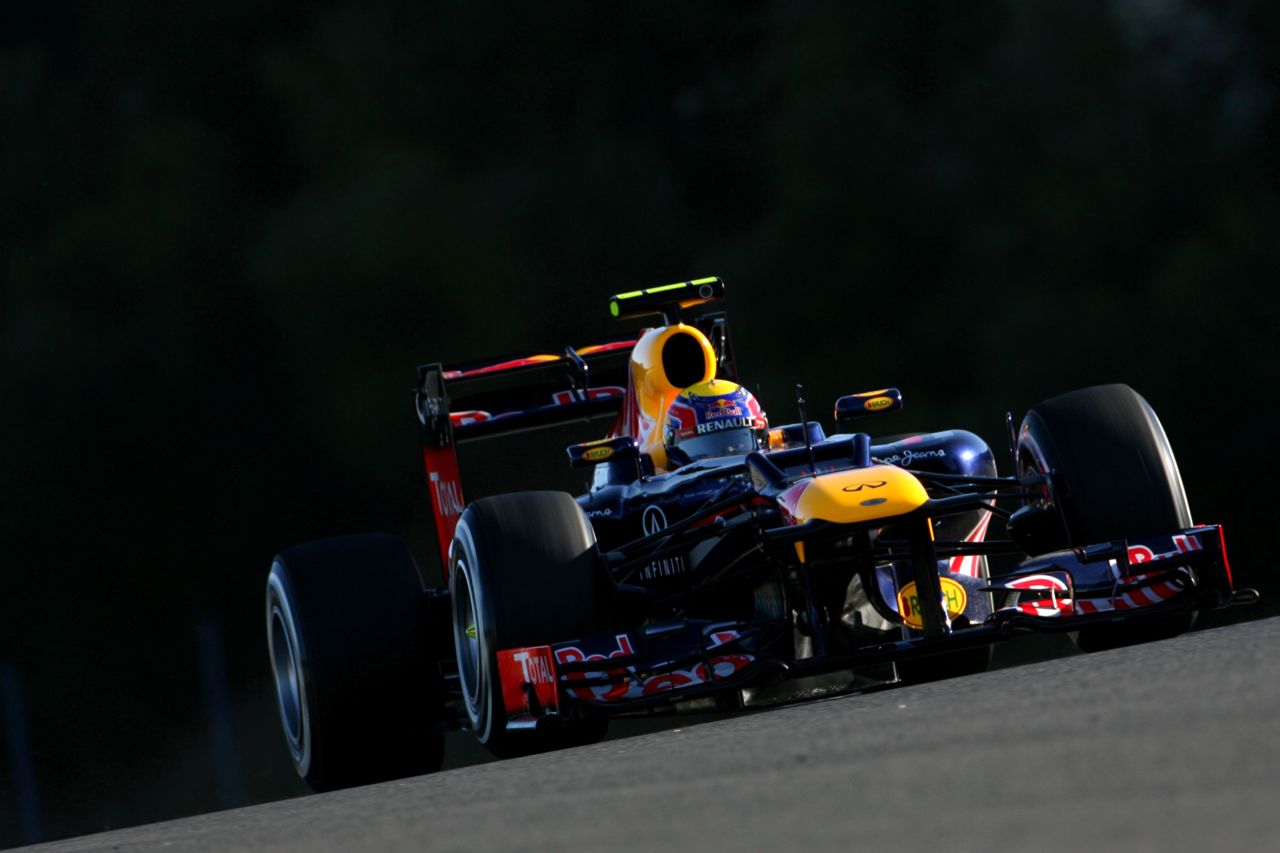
(716, 418)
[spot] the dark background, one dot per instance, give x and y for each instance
(232, 230)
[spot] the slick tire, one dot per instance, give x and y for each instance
(1115, 477)
(524, 570)
(360, 696)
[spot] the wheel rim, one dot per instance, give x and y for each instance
(467, 640)
(288, 666)
(284, 659)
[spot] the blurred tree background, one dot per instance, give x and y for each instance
(231, 230)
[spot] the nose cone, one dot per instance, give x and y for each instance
(863, 494)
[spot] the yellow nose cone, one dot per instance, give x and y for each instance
(864, 494)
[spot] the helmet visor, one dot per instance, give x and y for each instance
(726, 443)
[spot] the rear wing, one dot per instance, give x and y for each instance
(513, 393)
(500, 396)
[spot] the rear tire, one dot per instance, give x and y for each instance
(523, 571)
(360, 698)
(1115, 477)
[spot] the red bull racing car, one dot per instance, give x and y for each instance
(715, 554)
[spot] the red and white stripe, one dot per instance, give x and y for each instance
(1132, 600)
(971, 564)
(1054, 605)
(1046, 607)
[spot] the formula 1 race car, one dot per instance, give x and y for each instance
(701, 567)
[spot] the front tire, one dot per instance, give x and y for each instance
(523, 571)
(360, 697)
(1114, 477)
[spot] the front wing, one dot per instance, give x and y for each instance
(1139, 579)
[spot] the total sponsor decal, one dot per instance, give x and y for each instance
(532, 667)
(629, 684)
(723, 424)
(953, 595)
(906, 457)
(447, 494)
(444, 486)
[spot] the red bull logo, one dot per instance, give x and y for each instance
(723, 408)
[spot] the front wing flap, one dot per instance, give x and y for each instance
(1063, 591)
(639, 667)
(1117, 579)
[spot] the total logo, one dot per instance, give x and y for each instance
(535, 668)
(448, 495)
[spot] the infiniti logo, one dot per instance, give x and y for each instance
(654, 521)
(870, 484)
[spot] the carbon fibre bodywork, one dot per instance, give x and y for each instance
(814, 554)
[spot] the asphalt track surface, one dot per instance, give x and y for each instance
(1169, 746)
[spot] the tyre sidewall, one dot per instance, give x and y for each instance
(467, 584)
(370, 695)
(280, 598)
(525, 570)
(1075, 435)
(1053, 437)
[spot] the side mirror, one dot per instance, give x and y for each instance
(591, 453)
(854, 406)
(793, 435)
